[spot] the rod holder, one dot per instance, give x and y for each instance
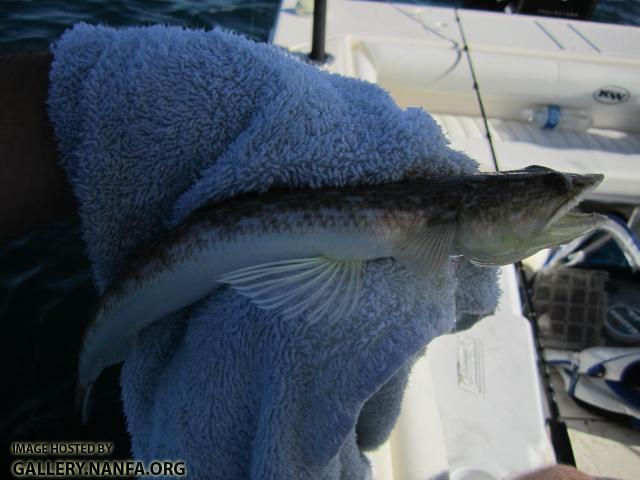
(318, 53)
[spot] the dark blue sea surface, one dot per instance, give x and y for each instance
(27, 25)
(46, 291)
(33, 25)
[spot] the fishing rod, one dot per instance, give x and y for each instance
(476, 88)
(558, 432)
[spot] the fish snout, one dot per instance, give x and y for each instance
(586, 181)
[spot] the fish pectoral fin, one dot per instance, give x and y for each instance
(314, 288)
(426, 250)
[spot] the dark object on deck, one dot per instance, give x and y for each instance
(578, 9)
(493, 5)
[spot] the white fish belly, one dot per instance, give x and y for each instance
(195, 274)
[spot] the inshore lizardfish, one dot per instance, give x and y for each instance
(300, 253)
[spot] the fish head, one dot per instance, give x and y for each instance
(510, 216)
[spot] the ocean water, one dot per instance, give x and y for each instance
(28, 25)
(46, 292)
(32, 25)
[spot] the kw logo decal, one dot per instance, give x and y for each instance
(611, 95)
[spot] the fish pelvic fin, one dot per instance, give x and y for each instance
(314, 288)
(425, 250)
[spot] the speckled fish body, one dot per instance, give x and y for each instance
(295, 252)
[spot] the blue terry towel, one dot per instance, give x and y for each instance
(152, 123)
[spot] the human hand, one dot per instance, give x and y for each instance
(554, 472)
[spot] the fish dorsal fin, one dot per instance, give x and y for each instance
(427, 249)
(314, 288)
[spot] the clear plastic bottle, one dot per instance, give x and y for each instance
(553, 116)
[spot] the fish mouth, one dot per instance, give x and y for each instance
(565, 229)
(581, 186)
(572, 225)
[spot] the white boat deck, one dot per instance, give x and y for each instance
(460, 414)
